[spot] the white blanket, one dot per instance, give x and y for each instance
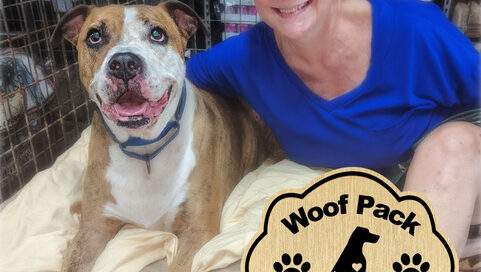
(36, 225)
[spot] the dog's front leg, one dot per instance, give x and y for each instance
(86, 246)
(196, 224)
(190, 242)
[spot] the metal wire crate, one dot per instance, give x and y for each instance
(43, 107)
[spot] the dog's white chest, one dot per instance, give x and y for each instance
(151, 201)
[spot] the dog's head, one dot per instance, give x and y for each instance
(131, 60)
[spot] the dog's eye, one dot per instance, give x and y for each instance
(157, 35)
(94, 37)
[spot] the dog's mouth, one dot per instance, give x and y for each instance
(133, 110)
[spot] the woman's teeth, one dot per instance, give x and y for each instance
(294, 9)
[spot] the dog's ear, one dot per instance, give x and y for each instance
(185, 17)
(70, 25)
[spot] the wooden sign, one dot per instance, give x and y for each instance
(349, 220)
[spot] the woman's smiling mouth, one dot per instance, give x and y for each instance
(292, 11)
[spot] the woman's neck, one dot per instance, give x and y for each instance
(333, 59)
(340, 26)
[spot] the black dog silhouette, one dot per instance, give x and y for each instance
(352, 259)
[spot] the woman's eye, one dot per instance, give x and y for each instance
(95, 37)
(157, 35)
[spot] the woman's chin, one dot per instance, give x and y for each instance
(293, 31)
(294, 28)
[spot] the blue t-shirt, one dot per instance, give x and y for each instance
(422, 70)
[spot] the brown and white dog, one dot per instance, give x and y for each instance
(131, 61)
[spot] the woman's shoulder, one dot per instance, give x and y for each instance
(416, 9)
(230, 61)
(255, 37)
(421, 24)
(426, 43)
(421, 17)
(242, 46)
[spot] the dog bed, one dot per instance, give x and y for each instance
(36, 224)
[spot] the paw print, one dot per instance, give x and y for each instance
(297, 260)
(406, 260)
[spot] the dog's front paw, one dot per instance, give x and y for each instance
(180, 266)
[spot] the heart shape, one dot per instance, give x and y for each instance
(356, 266)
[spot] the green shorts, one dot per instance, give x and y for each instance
(397, 173)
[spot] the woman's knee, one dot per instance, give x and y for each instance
(452, 154)
(454, 140)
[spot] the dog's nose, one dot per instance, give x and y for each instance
(125, 65)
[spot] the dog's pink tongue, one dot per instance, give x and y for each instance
(131, 104)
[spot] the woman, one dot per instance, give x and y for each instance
(358, 83)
